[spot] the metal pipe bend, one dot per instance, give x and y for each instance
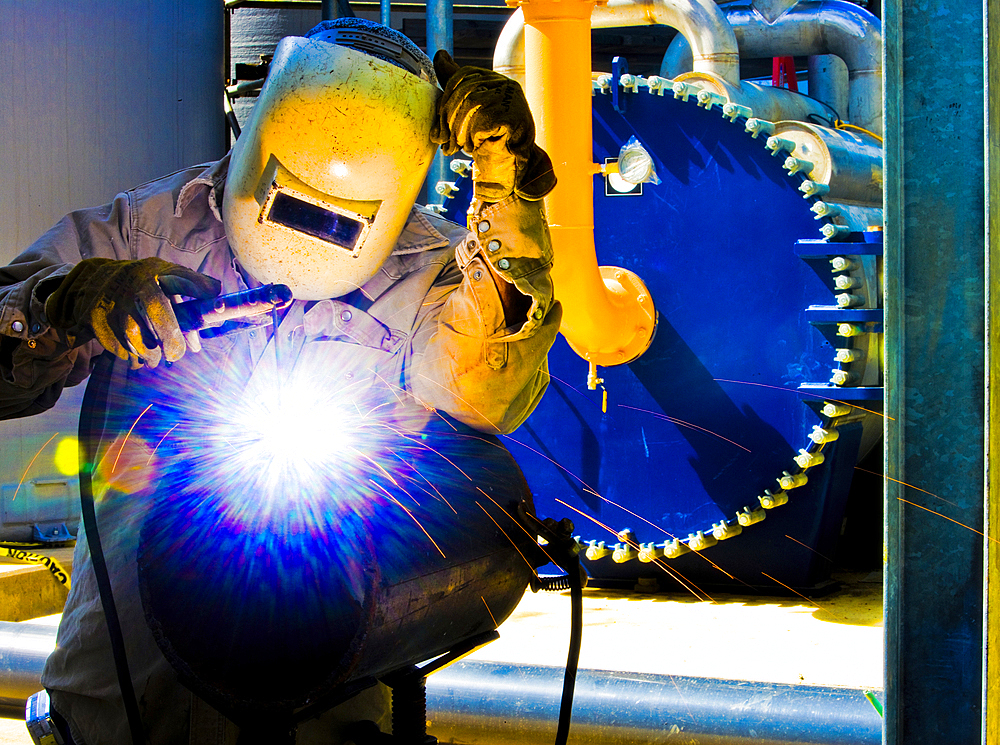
(810, 27)
(710, 36)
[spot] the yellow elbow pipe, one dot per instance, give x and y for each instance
(608, 315)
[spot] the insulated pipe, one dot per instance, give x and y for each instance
(810, 27)
(23, 650)
(700, 21)
(487, 703)
(608, 317)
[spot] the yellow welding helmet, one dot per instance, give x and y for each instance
(324, 175)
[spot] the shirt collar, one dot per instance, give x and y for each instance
(214, 178)
(418, 235)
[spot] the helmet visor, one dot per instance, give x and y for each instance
(326, 222)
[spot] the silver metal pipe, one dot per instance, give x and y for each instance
(829, 81)
(23, 650)
(701, 22)
(848, 163)
(487, 703)
(440, 35)
(481, 703)
(766, 102)
(809, 27)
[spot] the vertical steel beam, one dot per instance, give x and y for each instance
(991, 694)
(440, 35)
(935, 371)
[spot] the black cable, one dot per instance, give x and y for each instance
(574, 575)
(93, 419)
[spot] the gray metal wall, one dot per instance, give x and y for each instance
(97, 96)
(257, 31)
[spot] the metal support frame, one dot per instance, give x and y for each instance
(991, 617)
(935, 404)
(440, 35)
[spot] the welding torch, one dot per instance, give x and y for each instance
(196, 315)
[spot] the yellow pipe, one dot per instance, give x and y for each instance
(608, 317)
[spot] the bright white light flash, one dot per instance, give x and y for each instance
(288, 435)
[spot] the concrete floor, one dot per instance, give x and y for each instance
(836, 641)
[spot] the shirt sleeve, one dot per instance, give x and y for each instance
(37, 361)
(478, 358)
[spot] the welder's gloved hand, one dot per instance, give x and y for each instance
(126, 306)
(486, 114)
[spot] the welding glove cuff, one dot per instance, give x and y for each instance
(486, 114)
(125, 305)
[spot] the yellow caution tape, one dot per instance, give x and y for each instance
(27, 557)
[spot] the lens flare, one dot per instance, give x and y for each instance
(67, 457)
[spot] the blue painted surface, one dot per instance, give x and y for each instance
(709, 417)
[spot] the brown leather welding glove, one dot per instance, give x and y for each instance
(125, 305)
(486, 114)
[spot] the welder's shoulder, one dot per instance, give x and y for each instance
(178, 215)
(427, 243)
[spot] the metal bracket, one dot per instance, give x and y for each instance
(619, 67)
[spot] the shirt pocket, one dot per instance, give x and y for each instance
(353, 350)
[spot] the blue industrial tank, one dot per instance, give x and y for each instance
(731, 411)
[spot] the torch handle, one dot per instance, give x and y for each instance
(195, 315)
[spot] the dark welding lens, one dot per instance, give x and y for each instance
(316, 221)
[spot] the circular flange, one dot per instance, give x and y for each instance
(629, 293)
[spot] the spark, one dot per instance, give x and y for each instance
(412, 517)
(802, 596)
(963, 525)
(425, 445)
(675, 420)
(576, 390)
(804, 393)
(165, 436)
(489, 611)
(387, 385)
(127, 435)
(484, 417)
(640, 517)
(427, 481)
(669, 570)
(615, 504)
(25, 474)
(890, 478)
(558, 465)
(567, 384)
(532, 538)
(811, 549)
(379, 467)
(533, 573)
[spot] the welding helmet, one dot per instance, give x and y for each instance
(324, 176)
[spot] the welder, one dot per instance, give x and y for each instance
(317, 194)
